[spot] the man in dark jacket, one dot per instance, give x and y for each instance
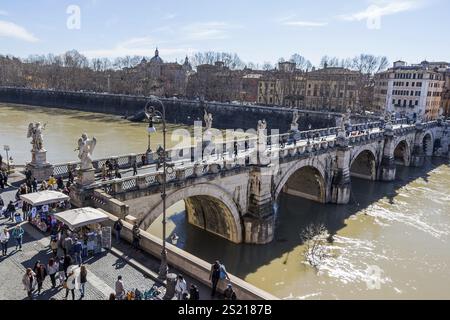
(118, 225)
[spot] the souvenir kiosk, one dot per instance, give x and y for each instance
(43, 206)
(84, 223)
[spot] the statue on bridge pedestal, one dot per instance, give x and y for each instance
(295, 118)
(35, 133)
(262, 125)
(85, 149)
(208, 117)
(39, 167)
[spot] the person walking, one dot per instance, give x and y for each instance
(180, 287)
(78, 248)
(17, 234)
(52, 270)
(34, 185)
(66, 264)
(135, 170)
(11, 210)
(61, 276)
(229, 293)
(104, 172)
(29, 282)
(41, 274)
(4, 239)
(120, 288)
(69, 284)
(54, 246)
(118, 225)
(2, 180)
(60, 183)
(194, 294)
(217, 273)
(136, 236)
(83, 280)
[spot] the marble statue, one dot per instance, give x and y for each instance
(295, 117)
(85, 149)
(208, 120)
(35, 133)
(262, 125)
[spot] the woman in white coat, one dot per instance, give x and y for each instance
(29, 282)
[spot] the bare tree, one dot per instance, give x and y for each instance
(314, 239)
(301, 62)
(267, 66)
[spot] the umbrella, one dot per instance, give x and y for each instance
(81, 217)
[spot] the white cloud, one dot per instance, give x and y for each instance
(12, 30)
(305, 24)
(144, 46)
(208, 31)
(381, 8)
(170, 16)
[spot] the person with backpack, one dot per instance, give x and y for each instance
(118, 225)
(17, 234)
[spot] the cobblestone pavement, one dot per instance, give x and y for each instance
(103, 269)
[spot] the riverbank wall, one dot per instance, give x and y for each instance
(226, 116)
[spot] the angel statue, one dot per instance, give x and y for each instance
(295, 117)
(262, 125)
(85, 149)
(35, 133)
(208, 120)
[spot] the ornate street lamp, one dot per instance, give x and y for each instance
(7, 148)
(151, 112)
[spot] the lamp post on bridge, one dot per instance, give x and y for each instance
(151, 113)
(7, 148)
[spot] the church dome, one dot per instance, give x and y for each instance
(156, 58)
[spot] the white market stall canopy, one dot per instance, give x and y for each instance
(44, 197)
(81, 217)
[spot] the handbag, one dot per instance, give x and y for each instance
(222, 273)
(65, 284)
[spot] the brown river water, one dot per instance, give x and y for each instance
(391, 242)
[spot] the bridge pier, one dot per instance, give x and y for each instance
(418, 157)
(341, 185)
(259, 222)
(388, 167)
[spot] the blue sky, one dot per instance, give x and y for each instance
(257, 30)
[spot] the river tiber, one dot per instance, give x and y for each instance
(368, 184)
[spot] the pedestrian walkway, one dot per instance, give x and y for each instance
(138, 269)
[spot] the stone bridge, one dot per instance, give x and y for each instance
(233, 197)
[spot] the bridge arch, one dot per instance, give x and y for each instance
(208, 207)
(364, 164)
(304, 180)
(428, 143)
(402, 153)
